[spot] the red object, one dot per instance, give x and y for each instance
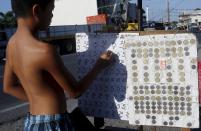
(98, 19)
(199, 79)
(162, 64)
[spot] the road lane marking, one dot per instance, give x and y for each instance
(13, 108)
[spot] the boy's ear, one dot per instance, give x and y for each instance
(36, 11)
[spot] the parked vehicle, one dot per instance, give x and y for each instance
(3, 39)
(154, 26)
(3, 44)
(194, 29)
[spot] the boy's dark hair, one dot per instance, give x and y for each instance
(22, 8)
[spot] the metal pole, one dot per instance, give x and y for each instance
(147, 14)
(168, 10)
(140, 17)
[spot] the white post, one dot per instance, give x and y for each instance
(147, 14)
(168, 11)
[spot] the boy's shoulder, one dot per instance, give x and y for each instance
(32, 42)
(47, 48)
(46, 45)
(43, 49)
(48, 52)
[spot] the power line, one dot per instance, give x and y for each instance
(184, 9)
(177, 5)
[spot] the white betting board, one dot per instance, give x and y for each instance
(163, 80)
(154, 81)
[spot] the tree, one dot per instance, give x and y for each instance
(198, 9)
(7, 20)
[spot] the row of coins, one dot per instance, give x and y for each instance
(165, 123)
(158, 92)
(164, 98)
(157, 74)
(159, 103)
(188, 87)
(164, 112)
(159, 107)
(163, 107)
(157, 79)
(171, 118)
(156, 61)
(163, 89)
(157, 55)
(160, 50)
(166, 43)
(157, 67)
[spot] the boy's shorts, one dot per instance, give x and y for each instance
(57, 122)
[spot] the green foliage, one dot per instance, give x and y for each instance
(7, 20)
(198, 9)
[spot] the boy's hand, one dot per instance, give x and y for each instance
(105, 59)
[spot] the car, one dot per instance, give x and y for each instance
(153, 26)
(194, 29)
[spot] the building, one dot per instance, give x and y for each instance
(114, 8)
(190, 18)
(75, 12)
(132, 12)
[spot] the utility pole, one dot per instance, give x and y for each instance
(140, 17)
(168, 10)
(147, 14)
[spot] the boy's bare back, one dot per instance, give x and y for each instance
(28, 59)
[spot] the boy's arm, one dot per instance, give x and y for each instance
(11, 85)
(55, 66)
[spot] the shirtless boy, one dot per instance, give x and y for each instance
(34, 71)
